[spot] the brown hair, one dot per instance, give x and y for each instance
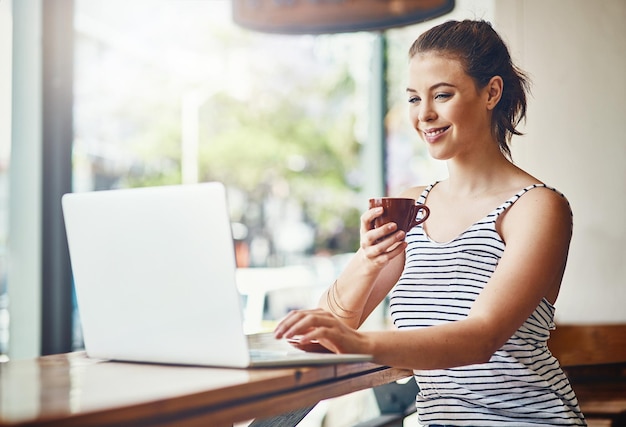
(483, 55)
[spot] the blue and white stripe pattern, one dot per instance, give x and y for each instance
(522, 384)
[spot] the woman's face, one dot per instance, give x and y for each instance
(445, 107)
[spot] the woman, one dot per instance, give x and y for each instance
(473, 288)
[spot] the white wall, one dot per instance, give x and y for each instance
(575, 52)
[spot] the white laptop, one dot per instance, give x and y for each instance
(154, 272)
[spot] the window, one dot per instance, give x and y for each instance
(173, 92)
(5, 155)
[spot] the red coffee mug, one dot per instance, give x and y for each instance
(404, 212)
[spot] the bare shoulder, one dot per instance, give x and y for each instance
(413, 192)
(539, 207)
(544, 199)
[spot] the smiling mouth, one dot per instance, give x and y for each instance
(434, 132)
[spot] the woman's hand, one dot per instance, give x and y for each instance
(382, 244)
(322, 326)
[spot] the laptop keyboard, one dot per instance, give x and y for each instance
(264, 347)
(260, 355)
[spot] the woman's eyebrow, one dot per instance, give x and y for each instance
(438, 85)
(433, 87)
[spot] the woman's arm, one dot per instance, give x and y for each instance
(359, 290)
(537, 231)
(364, 283)
(369, 275)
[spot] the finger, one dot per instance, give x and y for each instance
(381, 255)
(324, 337)
(287, 322)
(300, 322)
(384, 243)
(368, 217)
(396, 250)
(377, 235)
(337, 339)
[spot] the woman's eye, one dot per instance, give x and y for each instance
(414, 99)
(442, 96)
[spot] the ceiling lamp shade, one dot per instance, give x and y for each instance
(334, 16)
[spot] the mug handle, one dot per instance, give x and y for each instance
(417, 207)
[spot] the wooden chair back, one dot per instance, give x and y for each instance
(579, 345)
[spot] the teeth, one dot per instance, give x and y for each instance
(434, 132)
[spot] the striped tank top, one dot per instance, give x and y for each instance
(522, 384)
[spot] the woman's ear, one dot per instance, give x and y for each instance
(494, 91)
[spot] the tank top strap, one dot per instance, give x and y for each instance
(508, 203)
(424, 195)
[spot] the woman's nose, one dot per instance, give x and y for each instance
(426, 112)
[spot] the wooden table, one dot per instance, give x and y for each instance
(74, 390)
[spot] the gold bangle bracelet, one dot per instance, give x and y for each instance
(332, 297)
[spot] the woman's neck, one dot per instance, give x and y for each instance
(482, 174)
